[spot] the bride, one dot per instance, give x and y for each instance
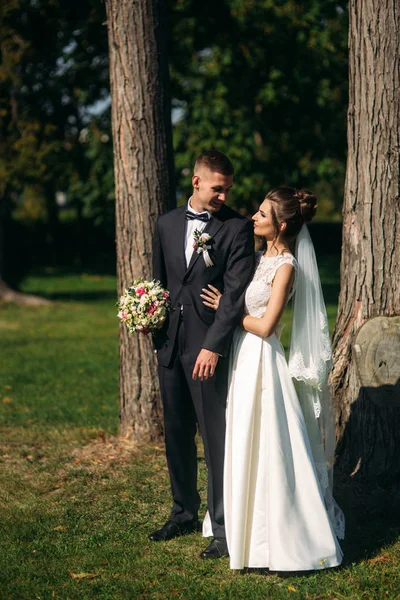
(279, 509)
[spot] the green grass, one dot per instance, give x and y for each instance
(76, 503)
(60, 363)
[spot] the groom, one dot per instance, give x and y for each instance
(193, 347)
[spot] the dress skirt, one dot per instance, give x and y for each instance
(275, 515)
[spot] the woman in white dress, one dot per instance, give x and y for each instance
(279, 509)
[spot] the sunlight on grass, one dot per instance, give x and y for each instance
(77, 504)
(59, 364)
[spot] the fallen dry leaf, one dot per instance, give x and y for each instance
(379, 559)
(7, 400)
(291, 588)
(80, 576)
(60, 528)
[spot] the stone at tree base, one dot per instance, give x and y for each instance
(377, 351)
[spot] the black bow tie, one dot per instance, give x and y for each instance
(204, 216)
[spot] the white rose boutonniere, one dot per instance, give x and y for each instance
(201, 245)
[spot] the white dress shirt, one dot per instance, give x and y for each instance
(191, 225)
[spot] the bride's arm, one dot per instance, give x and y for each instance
(281, 287)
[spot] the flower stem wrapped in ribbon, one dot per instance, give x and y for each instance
(144, 306)
(200, 244)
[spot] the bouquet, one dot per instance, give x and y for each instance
(144, 306)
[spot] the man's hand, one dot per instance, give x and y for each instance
(205, 364)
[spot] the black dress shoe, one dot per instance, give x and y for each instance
(217, 549)
(171, 530)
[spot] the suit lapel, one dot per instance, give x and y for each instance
(212, 227)
(178, 237)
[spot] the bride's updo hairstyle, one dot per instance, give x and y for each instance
(293, 207)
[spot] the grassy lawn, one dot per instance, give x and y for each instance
(76, 503)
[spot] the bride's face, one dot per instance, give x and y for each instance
(263, 223)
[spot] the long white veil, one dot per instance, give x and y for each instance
(310, 361)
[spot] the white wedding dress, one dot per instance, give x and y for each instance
(275, 513)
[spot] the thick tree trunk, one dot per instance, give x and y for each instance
(141, 121)
(366, 376)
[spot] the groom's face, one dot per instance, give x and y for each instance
(210, 190)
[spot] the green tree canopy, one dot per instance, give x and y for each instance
(266, 82)
(53, 76)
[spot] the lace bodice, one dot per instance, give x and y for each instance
(259, 289)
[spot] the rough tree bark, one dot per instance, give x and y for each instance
(143, 163)
(366, 375)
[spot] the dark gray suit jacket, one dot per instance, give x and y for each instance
(232, 253)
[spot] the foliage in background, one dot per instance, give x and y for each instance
(265, 82)
(53, 82)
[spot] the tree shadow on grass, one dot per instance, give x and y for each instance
(368, 473)
(80, 296)
(372, 519)
(69, 284)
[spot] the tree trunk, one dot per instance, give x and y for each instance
(143, 163)
(366, 375)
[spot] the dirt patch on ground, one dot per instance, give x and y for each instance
(12, 326)
(105, 450)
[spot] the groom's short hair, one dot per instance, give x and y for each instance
(215, 161)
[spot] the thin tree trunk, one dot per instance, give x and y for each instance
(141, 122)
(53, 222)
(366, 375)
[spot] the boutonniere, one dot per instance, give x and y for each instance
(201, 245)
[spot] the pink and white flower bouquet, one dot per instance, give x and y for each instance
(144, 306)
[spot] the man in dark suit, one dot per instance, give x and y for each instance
(193, 347)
